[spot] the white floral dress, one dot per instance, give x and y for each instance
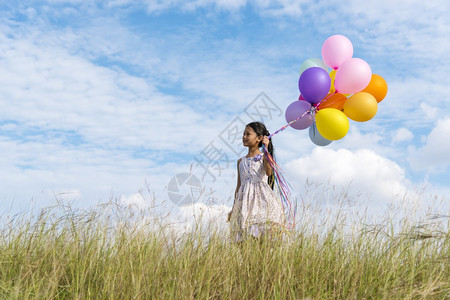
(256, 207)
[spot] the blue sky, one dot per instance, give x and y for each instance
(112, 99)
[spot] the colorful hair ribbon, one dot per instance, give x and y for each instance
(283, 186)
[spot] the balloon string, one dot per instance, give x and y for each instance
(293, 121)
(281, 183)
(316, 106)
(310, 111)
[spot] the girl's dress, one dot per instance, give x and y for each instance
(256, 209)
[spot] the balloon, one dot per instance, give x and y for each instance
(315, 136)
(332, 77)
(377, 87)
(297, 109)
(361, 107)
(332, 124)
(335, 100)
(312, 62)
(301, 97)
(336, 50)
(314, 84)
(352, 76)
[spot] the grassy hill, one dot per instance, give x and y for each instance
(92, 254)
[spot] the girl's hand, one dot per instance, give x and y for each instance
(266, 141)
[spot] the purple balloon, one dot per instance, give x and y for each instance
(297, 109)
(314, 84)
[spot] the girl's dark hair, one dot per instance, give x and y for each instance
(261, 129)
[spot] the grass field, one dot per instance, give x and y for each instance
(112, 253)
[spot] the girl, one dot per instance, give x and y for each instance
(256, 209)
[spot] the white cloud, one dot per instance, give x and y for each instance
(135, 201)
(280, 8)
(30, 168)
(402, 135)
(177, 222)
(114, 3)
(207, 213)
(53, 79)
(355, 139)
(434, 156)
(431, 112)
(406, 103)
(403, 25)
(267, 7)
(46, 88)
(158, 5)
(56, 98)
(8, 127)
(376, 177)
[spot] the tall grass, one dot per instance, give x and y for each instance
(112, 253)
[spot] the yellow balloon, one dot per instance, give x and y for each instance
(361, 107)
(332, 76)
(332, 123)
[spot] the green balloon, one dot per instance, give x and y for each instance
(313, 62)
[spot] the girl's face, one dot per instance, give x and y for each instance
(250, 138)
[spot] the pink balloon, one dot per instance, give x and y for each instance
(352, 76)
(336, 50)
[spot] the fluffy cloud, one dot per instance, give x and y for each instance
(431, 112)
(266, 7)
(46, 89)
(402, 135)
(208, 214)
(72, 124)
(434, 155)
(98, 102)
(363, 171)
(176, 222)
(137, 201)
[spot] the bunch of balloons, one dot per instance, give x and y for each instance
(329, 98)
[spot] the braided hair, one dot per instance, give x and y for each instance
(261, 129)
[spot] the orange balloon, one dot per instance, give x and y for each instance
(336, 100)
(361, 107)
(377, 87)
